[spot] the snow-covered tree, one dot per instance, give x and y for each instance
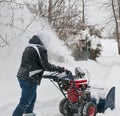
(86, 45)
(95, 47)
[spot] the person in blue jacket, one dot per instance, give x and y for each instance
(34, 63)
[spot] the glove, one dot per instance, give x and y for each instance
(60, 69)
(67, 71)
(56, 79)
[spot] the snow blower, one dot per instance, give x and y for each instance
(77, 95)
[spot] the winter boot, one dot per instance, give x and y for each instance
(30, 114)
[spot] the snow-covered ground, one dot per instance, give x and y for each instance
(104, 73)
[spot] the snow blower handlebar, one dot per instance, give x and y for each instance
(60, 76)
(67, 75)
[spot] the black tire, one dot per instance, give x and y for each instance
(89, 109)
(80, 109)
(64, 109)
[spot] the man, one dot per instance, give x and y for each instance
(34, 63)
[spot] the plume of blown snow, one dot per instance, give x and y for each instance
(57, 51)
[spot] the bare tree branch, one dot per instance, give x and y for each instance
(30, 22)
(11, 1)
(4, 41)
(5, 1)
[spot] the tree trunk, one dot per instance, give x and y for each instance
(83, 11)
(117, 27)
(50, 11)
(119, 9)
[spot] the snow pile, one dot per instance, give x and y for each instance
(109, 47)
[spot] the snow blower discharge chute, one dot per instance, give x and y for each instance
(77, 95)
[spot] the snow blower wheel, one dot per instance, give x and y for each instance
(89, 109)
(64, 109)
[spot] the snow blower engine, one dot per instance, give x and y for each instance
(77, 95)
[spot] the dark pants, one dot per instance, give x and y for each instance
(28, 98)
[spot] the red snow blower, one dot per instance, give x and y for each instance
(77, 94)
